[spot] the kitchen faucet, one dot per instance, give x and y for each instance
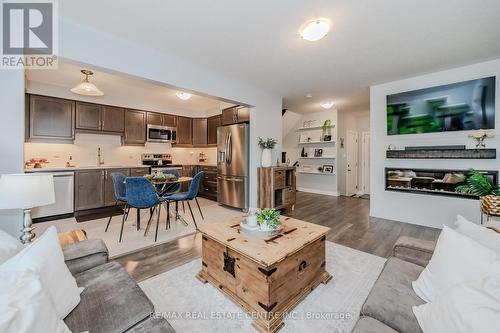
(99, 160)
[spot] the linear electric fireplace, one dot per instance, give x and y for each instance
(431, 181)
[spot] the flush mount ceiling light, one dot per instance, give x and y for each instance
(315, 30)
(308, 96)
(85, 87)
(327, 105)
(184, 96)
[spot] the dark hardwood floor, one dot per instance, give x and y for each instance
(347, 217)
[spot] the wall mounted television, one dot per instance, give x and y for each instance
(468, 105)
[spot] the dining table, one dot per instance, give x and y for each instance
(162, 187)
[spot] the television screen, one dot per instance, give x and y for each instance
(467, 105)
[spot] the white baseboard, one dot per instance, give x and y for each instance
(312, 190)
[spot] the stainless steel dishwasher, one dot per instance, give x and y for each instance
(64, 185)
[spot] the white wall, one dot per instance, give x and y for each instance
(11, 138)
(321, 184)
(426, 210)
(358, 121)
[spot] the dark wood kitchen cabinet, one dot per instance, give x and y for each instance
(212, 124)
(184, 131)
(89, 189)
(135, 127)
(88, 116)
(96, 118)
(113, 119)
(208, 184)
(50, 118)
(109, 191)
(235, 115)
(161, 119)
(199, 132)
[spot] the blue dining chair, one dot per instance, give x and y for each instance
(141, 194)
(191, 194)
(118, 180)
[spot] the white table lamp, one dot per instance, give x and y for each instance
(26, 191)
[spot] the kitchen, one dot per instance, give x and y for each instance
(136, 128)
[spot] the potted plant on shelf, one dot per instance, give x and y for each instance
(478, 184)
(327, 130)
(268, 219)
(267, 145)
(480, 136)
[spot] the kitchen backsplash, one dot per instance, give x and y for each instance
(84, 152)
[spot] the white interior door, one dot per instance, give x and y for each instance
(365, 163)
(352, 163)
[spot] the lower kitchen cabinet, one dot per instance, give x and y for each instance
(94, 188)
(89, 189)
(109, 191)
(208, 184)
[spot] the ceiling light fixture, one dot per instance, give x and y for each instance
(85, 87)
(327, 105)
(315, 30)
(308, 96)
(183, 95)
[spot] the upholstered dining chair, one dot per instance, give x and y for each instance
(118, 180)
(191, 194)
(141, 194)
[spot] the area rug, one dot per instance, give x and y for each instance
(191, 306)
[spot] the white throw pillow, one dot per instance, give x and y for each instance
(45, 256)
(25, 305)
(9, 246)
(456, 259)
(473, 306)
(484, 236)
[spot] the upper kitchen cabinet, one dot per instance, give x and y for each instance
(99, 118)
(199, 132)
(135, 127)
(162, 119)
(113, 119)
(235, 115)
(184, 131)
(212, 124)
(88, 116)
(51, 119)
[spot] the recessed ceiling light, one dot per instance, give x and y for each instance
(308, 96)
(327, 105)
(183, 95)
(315, 30)
(85, 87)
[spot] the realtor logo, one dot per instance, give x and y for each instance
(29, 34)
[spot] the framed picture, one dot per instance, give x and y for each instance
(327, 168)
(318, 152)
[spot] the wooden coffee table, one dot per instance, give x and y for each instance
(267, 277)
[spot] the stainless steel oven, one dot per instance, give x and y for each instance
(162, 134)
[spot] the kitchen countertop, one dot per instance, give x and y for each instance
(66, 169)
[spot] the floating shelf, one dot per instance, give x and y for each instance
(312, 128)
(318, 158)
(316, 173)
(315, 142)
(443, 154)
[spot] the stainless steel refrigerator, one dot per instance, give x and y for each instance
(232, 165)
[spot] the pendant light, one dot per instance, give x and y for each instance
(85, 87)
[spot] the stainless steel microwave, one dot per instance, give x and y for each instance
(162, 134)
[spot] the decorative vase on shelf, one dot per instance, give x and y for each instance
(267, 160)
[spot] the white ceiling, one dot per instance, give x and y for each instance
(121, 90)
(372, 41)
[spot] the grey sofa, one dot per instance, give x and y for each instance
(111, 300)
(388, 308)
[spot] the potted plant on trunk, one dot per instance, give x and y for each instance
(267, 145)
(268, 219)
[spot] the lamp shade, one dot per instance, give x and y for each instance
(25, 191)
(86, 88)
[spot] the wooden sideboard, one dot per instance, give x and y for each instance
(277, 187)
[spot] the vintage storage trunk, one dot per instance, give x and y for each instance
(267, 277)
